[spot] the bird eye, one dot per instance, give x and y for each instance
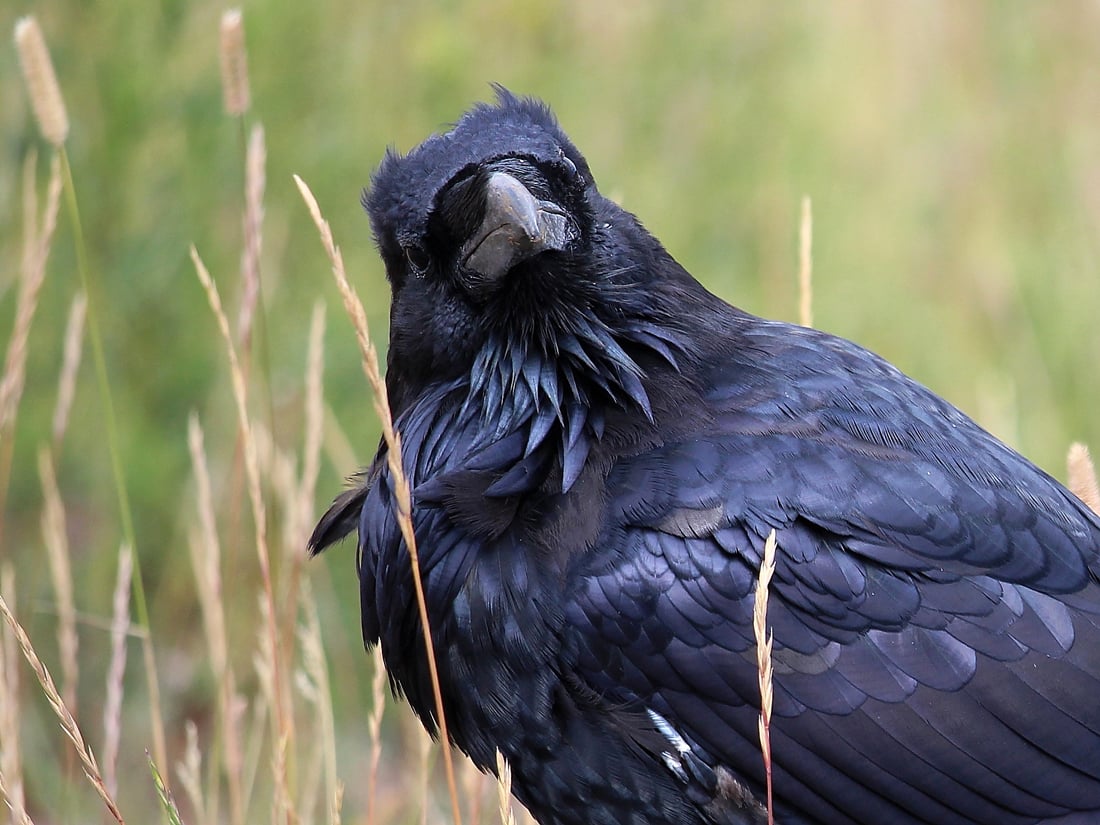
(417, 257)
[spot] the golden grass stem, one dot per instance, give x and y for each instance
(11, 762)
(55, 537)
(337, 803)
(206, 562)
(402, 493)
(32, 275)
(30, 286)
(313, 653)
(68, 723)
(234, 64)
(189, 772)
(424, 762)
(374, 732)
(70, 365)
(30, 211)
(18, 812)
(805, 264)
(116, 670)
(42, 87)
(282, 720)
(255, 180)
(1082, 476)
(764, 661)
(504, 790)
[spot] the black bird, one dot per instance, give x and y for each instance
(598, 448)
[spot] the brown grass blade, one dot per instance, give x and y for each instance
(116, 670)
(282, 721)
(30, 213)
(764, 660)
(70, 365)
(316, 670)
(18, 812)
(55, 536)
(41, 80)
(11, 762)
(805, 264)
(254, 183)
(374, 733)
(1082, 476)
(11, 385)
(402, 493)
(68, 723)
(234, 64)
(189, 772)
(504, 790)
(337, 804)
(206, 563)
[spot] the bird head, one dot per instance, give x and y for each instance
(482, 230)
(540, 313)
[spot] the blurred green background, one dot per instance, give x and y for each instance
(952, 152)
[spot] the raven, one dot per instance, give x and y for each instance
(598, 448)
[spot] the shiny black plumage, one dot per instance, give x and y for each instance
(598, 448)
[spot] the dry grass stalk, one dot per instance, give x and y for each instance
(234, 64)
(254, 739)
(206, 554)
(41, 80)
(55, 536)
(401, 491)
(316, 669)
(282, 809)
(337, 803)
(70, 364)
(11, 763)
(68, 723)
(282, 719)
(374, 732)
(310, 759)
(116, 670)
(189, 771)
(11, 385)
(805, 264)
(206, 561)
(30, 212)
(764, 659)
(254, 182)
(18, 812)
(424, 748)
(504, 790)
(1082, 476)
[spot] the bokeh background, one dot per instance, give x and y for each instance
(951, 151)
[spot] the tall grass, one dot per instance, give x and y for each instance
(246, 727)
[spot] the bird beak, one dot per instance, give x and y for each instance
(516, 227)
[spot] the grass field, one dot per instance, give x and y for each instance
(950, 152)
